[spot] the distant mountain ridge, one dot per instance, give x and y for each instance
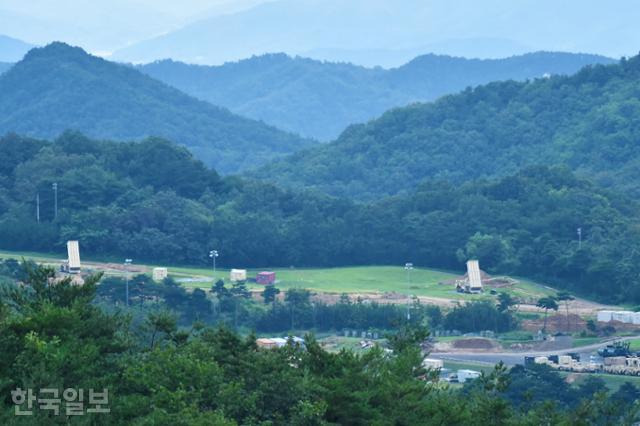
(59, 87)
(320, 99)
(374, 31)
(11, 49)
(589, 122)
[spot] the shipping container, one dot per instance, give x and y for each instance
(266, 278)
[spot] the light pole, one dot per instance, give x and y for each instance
(408, 267)
(213, 254)
(55, 199)
(38, 207)
(579, 238)
(127, 262)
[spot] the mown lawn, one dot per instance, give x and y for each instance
(356, 279)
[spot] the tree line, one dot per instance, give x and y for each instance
(53, 335)
(152, 201)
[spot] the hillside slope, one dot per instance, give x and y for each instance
(320, 99)
(589, 122)
(154, 202)
(4, 66)
(59, 87)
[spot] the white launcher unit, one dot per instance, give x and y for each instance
(73, 259)
(474, 279)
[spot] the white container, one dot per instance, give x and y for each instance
(238, 275)
(464, 375)
(541, 360)
(636, 317)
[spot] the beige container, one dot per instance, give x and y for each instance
(615, 360)
(160, 274)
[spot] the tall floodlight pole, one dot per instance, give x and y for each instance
(55, 199)
(213, 254)
(579, 238)
(408, 267)
(38, 207)
(127, 262)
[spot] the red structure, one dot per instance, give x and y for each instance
(266, 278)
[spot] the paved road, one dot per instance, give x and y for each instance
(513, 358)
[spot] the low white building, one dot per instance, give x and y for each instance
(626, 317)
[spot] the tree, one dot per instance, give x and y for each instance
(546, 303)
(270, 293)
(161, 323)
(566, 297)
(505, 301)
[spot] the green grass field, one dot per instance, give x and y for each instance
(358, 279)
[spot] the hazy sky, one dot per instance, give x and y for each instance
(105, 25)
(208, 31)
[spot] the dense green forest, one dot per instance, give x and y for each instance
(588, 122)
(54, 336)
(320, 99)
(154, 202)
(59, 87)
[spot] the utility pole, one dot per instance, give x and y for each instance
(55, 200)
(38, 207)
(579, 238)
(408, 267)
(127, 262)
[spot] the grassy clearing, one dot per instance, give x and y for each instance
(634, 344)
(358, 279)
(585, 341)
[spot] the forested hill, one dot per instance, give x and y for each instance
(59, 87)
(589, 121)
(320, 99)
(154, 202)
(4, 66)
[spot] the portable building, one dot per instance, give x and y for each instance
(238, 275)
(464, 375)
(636, 317)
(266, 277)
(160, 274)
(623, 316)
(604, 316)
